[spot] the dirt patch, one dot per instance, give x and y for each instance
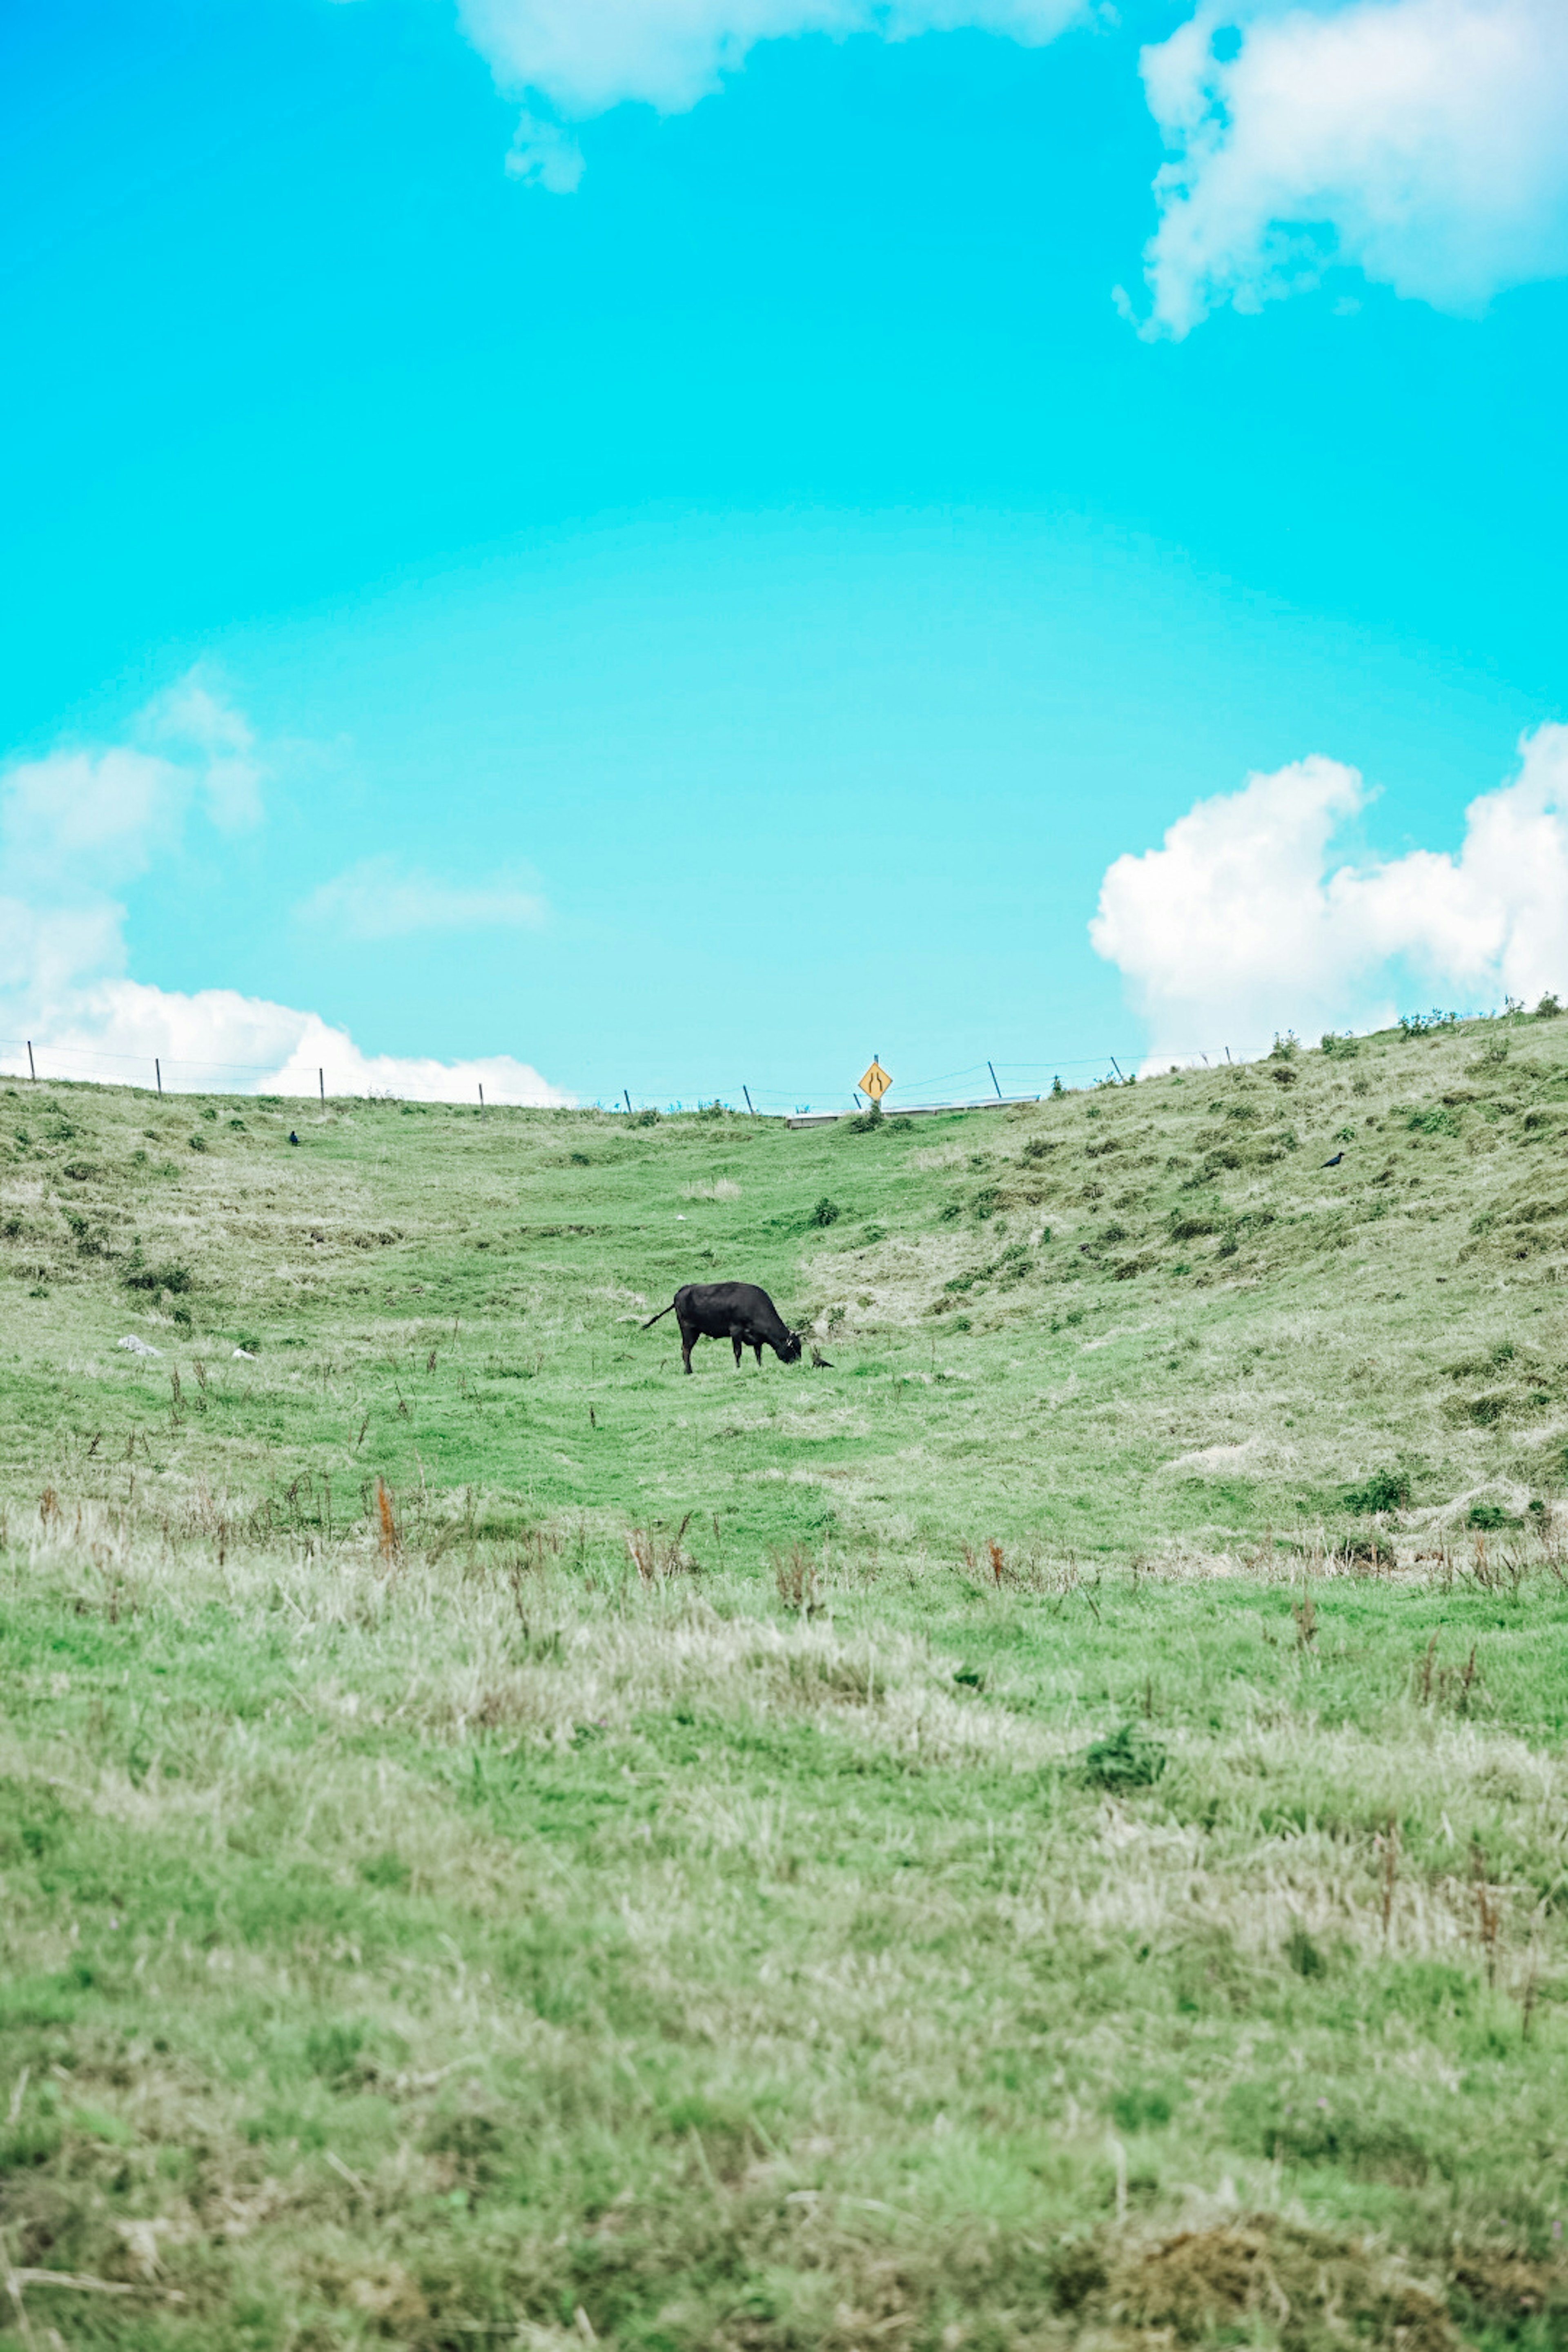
(1494, 2286)
(1308, 2289)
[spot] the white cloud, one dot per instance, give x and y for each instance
(375, 901)
(94, 819)
(1425, 141)
(218, 1039)
(544, 155)
(78, 825)
(576, 58)
(1242, 923)
(191, 718)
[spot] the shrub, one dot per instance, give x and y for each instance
(647, 1117)
(1339, 1049)
(175, 1279)
(1423, 1024)
(1129, 1759)
(1548, 1009)
(1286, 1048)
(827, 1211)
(1303, 1954)
(1488, 1518)
(198, 1143)
(866, 1122)
(1385, 1490)
(1058, 1087)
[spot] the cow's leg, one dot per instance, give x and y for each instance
(687, 1340)
(757, 1351)
(737, 1343)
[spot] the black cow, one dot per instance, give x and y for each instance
(738, 1311)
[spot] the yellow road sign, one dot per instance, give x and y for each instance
(876, 1081)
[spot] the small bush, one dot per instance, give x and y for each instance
(1303, 1954)
(1141, 2110)
(866, 1122)
(1385, 1490)
(1129, 1759)
(646, 1117)
(827, 1211)
(175, 1279)
(1548, 1009)
(1488, 1518)
(1424, 1024)
(1339, 1049)
(1286, 1048)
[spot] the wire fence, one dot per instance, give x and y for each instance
(977, 1083)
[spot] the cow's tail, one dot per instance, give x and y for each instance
(660, 1317)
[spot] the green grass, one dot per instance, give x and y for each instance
(1050, 1830)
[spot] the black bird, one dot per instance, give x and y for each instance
(820, 1361)
(1335, 1160)
(292, 1137)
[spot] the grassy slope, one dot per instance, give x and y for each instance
(434, 1946)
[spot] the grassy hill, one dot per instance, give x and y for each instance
(1047, 1829)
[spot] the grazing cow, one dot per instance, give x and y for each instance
(737, 1311)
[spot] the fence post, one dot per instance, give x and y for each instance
(321, 1084)
(626, 1097)
(750, 1105)
(482, 1100)
(992, 1067)
(158, 1073)
(32, 1072)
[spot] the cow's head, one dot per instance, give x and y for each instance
(788, 1351)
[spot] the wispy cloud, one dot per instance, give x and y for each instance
(572, 59)
(1243, 923)
(1423, 140)
(92, 818)
(377, 899)
(82, 824)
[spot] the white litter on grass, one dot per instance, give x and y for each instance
(135, 1347)
(246, 1353)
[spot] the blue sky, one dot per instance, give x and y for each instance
(703, 626)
